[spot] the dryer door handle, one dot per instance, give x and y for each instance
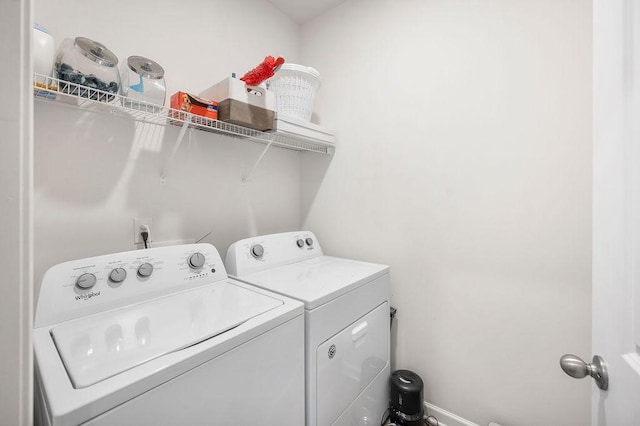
(359, 331)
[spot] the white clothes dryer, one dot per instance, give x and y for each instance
(346, 322)
(163, 337)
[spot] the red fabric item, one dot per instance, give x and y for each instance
(263, 71)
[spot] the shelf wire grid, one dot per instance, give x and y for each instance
(52, 89)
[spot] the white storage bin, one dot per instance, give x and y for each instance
(233, 88)
(295, 88)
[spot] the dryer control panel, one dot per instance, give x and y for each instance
(270, 251)
(87, 286)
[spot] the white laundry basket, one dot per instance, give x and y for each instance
(295, 87)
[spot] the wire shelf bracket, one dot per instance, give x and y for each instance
(246, 177)
(174, 151)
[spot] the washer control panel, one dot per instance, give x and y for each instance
(269, 251)
(86, 286)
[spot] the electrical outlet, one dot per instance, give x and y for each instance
(137, 225)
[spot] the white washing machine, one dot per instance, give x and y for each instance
(346, 322)
(163, 337)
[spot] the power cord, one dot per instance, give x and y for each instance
(144, 233)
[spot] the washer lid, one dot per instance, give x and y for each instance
(97, 347)
(318, 280)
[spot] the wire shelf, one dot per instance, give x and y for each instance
(50, 89)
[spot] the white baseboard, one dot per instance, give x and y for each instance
(445, 418)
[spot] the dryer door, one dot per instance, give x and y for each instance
(349, 361)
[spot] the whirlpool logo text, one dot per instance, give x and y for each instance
(87, 296)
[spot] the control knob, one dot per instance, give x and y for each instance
(300, 242)
(196, 260)
(257, 251)
(309, 241)
(86, 280)
(145, 270)
(118, 275)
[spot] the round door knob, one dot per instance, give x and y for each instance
(575, 367)
(86, 280)
(196, 260)
(118, 275)
(309, 241)
(300, 243)
(145, 270)
(257, 251)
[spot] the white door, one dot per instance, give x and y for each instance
(616, 210)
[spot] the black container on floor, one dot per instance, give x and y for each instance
(407, 398)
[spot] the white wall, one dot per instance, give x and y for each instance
(16, 368)
(94, 173)
(464, 161)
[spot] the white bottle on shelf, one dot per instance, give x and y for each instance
(44, 47)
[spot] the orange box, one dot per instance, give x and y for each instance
(195, 105)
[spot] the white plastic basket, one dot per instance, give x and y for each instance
(295, 87)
